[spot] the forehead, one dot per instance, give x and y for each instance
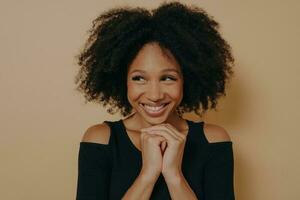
(151, 58)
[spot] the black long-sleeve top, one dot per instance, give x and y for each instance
(106, 171)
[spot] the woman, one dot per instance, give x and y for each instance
(153, 66)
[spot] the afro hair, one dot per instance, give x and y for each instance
(188, 32)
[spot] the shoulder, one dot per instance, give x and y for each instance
(98, 133)
(215, 133)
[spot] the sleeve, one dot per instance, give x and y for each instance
(219, 172)
(94, 170)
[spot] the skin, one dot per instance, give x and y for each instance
(154, 86)
(153, 78)
(160, 139)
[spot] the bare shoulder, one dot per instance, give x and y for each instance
(98, 133)
(215, 133)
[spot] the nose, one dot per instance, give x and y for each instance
(154, 92)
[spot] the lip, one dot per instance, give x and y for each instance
(154, 114)
(149, 104)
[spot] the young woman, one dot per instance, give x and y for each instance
(153, 66)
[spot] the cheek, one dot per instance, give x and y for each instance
(176, 92)
(133, 92)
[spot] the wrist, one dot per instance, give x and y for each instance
(173, 177)
(147, 177)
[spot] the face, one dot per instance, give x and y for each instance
(154, 85)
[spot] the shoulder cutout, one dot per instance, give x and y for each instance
(99, 133)
(215, 133)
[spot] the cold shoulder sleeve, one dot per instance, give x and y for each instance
(94, 170)
(219, 172)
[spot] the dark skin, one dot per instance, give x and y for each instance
(155, 88)
(161, 138)
(155, 85)
(134, 132)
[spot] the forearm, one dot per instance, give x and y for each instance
(179, 188)
(141, 189)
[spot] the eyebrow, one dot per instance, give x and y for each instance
(164, 70)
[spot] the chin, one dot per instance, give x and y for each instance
(155, 120)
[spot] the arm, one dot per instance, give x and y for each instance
(218, 183)
(219, 173)
(94, 164)
(179, 188)
(93, 172)
(141, 189)
(218, 176)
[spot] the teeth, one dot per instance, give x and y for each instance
(153, 107)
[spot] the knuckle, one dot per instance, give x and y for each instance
(152, 140)
(181, 140)
(145, 137)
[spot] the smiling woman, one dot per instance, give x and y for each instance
(155, 85)
(153, 66)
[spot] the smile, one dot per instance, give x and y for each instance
(154, 111)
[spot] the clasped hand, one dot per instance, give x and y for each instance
(172, 147)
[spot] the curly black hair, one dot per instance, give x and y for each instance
(188, 32)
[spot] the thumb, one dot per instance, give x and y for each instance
(163, 145)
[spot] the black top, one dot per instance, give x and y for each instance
(106, 171)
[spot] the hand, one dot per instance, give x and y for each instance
(173, 154)
(151, 155)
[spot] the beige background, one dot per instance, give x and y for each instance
(43, 117)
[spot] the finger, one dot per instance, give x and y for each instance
(175, 130)
(163, 133)
(156, 139)
(163, 145)
(142, 137)
(164, 128)
(161, 127)
(146, 135)
(167, 127)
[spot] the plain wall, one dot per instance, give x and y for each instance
(43, 118)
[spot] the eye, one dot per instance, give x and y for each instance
(170, 77)
(136, 78)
